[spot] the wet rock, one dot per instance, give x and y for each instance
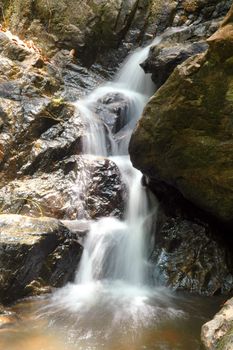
(189, 257)
(23, 125)
(36, 253)
(78, 187)
(163, 60)
(218, 333)
(78, 80)
(199, 20)
(37, 124)
(196, 11)
(192, 252)
(61, 140)
(113, 109)
(184, 138)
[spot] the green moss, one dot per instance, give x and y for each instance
(226, 341)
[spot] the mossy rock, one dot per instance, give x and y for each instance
(185, 135)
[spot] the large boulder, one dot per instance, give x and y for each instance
(184, 138)
(217, 334)
(35, 254)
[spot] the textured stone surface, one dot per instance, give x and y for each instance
(78, 187)
(185, 135)
(163, 60)
(188, 257)
(88, 27)
(35, 254)
(217, 334)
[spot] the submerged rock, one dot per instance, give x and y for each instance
(184, 138)
(36, 254)
(217, 334)
(8, 318)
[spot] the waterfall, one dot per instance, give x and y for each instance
(112, 285)
(114, 249)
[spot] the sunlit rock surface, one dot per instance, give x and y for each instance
(35, 255)
(217, 334)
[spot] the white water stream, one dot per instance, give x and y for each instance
(112, 291)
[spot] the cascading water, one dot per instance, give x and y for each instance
(112, 288)
(116, 249)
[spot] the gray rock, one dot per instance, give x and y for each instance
(35, 255)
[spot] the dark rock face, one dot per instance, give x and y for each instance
(89, 28)
(36, 254)
(188, 257)
(37, 124)
(191, 251)
(103, 31)
(39, 131)
(184, 138)
(196, 11)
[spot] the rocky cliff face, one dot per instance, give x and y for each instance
(101, 30)
(89, 28)
(184, 138)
